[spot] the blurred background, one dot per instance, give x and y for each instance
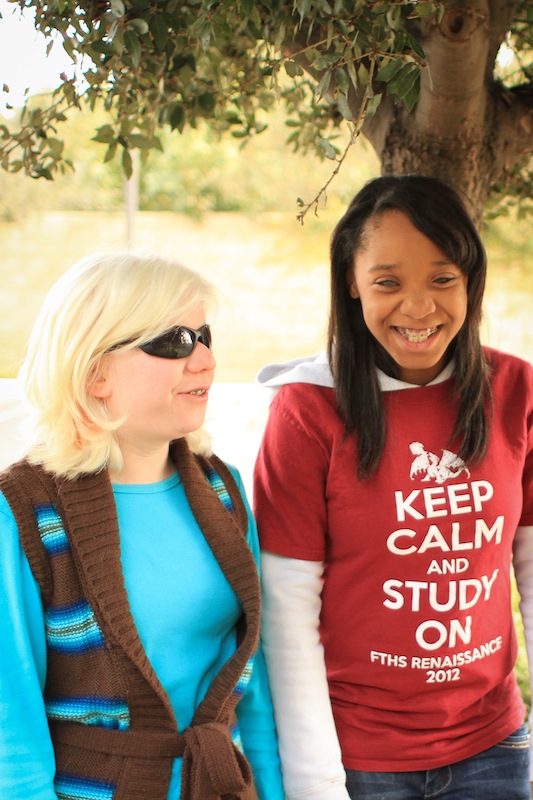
(228, 211)
(220, 206)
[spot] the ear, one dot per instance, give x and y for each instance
(99, 384)
(352, 285)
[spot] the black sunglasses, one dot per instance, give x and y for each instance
(178, 342)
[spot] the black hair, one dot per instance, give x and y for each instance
(437, 211)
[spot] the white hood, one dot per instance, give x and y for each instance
(308, 369)
(315, 369)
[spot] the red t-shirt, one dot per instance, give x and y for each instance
(416, 619)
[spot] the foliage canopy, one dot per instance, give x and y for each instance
(421, 80)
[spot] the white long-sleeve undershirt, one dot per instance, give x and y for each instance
(308, 742)
(523, 569)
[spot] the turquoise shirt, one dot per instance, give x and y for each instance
(185, 613)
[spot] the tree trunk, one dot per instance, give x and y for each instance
(466, 128)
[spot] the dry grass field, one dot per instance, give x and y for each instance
(272, 274)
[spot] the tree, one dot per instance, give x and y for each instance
(423, 81)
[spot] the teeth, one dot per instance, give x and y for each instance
(197, 391)
(416, 336)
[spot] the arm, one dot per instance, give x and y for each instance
(290, 496)
(254, 711)
(523, 568)
(258, 733)
(27, 764)
(309, 747)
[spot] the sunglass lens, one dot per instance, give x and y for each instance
(205, 336)
(178, 342)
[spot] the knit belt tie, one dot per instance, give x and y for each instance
(213, 766)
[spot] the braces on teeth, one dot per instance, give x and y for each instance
(416, 336)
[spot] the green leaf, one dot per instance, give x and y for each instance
(412, 95)
(303, 7)
(324, 61)
(352, 73)
(372, 104)
(363, 75)
(247, 7)
(207, 102)
(327, 148)
(104, 48)
(140, 25)
(117, 8)
(344, 108)
(159, 30)
(110, 152)
(55, 147)
(323, 84)
(423, 9)
(127, 163)
(408, 80)
(293, 69)
(415, 46)
(140, 141)
(176, 117)
(341, 80)
(389, 69)
(133, 46)
(402, 80)
(42, 172)
(104, 134)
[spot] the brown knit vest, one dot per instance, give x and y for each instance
(138, 761)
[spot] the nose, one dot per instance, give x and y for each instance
(417, 303)
(201, 358)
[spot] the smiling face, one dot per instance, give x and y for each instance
(161, 399)
(414, 300)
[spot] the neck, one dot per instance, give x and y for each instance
(142, 467)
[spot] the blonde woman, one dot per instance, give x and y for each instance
(129, 593)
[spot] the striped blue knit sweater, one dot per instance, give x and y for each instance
(113, 728)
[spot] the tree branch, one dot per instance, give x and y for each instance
(502, 13)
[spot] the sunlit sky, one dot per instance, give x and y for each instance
(23, 60)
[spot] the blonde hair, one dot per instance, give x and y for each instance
(99, 303)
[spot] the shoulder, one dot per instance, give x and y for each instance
(509, 372)
(502, 360)
(14, 566)
(20, 490)
(226, 482)
(304, 401)
(303, 418)
(5, 511)
(223, 470)
(236, 475)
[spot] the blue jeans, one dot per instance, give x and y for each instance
(499, 773)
